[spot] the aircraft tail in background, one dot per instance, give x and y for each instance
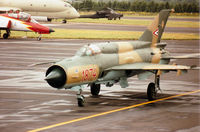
(154, 32)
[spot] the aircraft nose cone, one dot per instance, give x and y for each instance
(53, 76)
(51, 30)
(75, 13)
(56, 77)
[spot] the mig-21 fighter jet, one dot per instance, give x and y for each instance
(113, 62)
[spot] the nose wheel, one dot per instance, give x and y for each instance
(80, 98)
(39, 37)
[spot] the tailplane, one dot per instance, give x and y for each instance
(154, 31)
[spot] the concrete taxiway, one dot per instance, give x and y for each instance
(100, 26)
(94, 26)
(170, 18)
(27, 102)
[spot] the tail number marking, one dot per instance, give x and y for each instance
(89, 74)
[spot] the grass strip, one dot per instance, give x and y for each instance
(101, 34)
(136, 22)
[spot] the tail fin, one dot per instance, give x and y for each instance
(154, 31)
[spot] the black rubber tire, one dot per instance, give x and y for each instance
(81, 102)
(49, 19)
(39, 38)
(64, 21)
(5, 35)
(95, 89)
(151, 91)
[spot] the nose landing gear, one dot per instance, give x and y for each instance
(95, 89)
(39, 37)
(80, 98)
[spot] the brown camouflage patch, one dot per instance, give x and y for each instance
(124, 47)
(85, 73)
(129, 57)
(178, 73)
(157, 56)
(163, 24)
(153, 28)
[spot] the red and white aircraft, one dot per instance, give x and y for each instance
(21, 22)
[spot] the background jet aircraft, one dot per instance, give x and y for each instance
(21, 22)
(46, 9)
(114, 62)
(105, 13)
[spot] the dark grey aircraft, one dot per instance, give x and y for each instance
(113, 62)
(105, 13)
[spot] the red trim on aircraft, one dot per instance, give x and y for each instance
(9, 24)
(35, 27)
(38, 28)
(156, 32)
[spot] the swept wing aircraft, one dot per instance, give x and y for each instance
(41, 10)
(113, 62)
(21, 22)
(105, 13)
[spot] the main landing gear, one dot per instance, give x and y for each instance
(95, 89)
(64, 21)
(153, 88)
(7, 34)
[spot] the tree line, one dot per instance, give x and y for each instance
(138, 6)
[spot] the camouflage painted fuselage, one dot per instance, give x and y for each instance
(90, 66)
(108, 63)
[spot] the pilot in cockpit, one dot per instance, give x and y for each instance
(89, 50)
(22, 16)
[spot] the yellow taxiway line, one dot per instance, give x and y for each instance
(112, 111)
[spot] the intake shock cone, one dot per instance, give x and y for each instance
(56, 77)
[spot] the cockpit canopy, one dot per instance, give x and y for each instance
(88, 50)
(67, 4)
(22, 16)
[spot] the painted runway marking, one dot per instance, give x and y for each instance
(112, 111)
